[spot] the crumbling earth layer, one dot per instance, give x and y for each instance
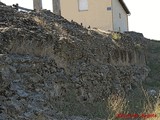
(51, 69)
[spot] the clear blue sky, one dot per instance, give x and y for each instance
(145, 15)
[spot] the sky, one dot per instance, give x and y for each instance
(144, 18)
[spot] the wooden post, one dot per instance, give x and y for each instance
(56, 7)
(37, 5)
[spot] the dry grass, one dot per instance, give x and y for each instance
(39, 21)
(116, 105)
(153, 107)
(116, 36)
(119, 105)
(157, 107)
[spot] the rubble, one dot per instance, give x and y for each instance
(48, 63)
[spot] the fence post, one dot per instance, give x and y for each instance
(56, 7)
(37, 5)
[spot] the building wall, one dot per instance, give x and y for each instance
(119, 24)
(97, 14)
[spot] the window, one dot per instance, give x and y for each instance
(109, 8)
(83, 5)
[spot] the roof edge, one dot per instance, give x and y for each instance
(125, 7)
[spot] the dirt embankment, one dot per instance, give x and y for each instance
(51, 68)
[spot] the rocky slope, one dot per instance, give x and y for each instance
(52, 69)
(153, 61)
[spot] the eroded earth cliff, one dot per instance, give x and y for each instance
(53, 69)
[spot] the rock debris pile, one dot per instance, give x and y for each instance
(51, 69)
